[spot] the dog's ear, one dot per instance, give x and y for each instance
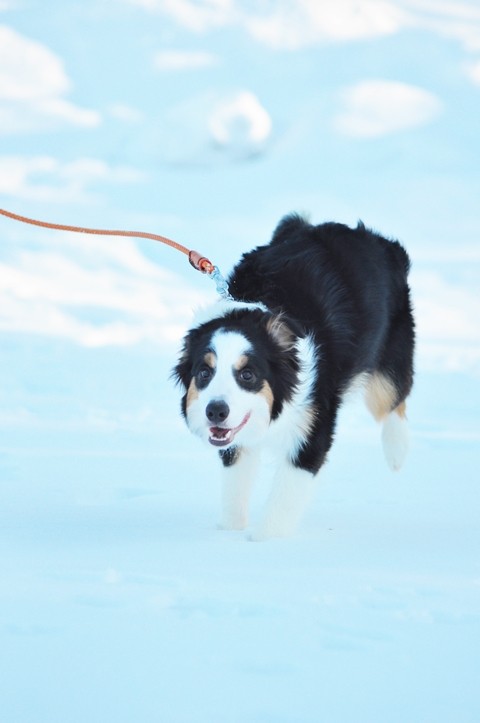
(281, 332)
(284, 362)
(182, 371)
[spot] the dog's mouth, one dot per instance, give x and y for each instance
(221, 436)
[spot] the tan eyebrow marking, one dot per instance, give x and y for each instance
(241, 362)
(210, 359)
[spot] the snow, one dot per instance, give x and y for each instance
(122, 601)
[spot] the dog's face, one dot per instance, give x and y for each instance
(237, 371)
(229, 398)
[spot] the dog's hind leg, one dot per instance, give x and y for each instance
(381, 398)
(239, 469)
(395, 437)
(390, 384)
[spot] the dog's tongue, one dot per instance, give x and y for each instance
(219, 432)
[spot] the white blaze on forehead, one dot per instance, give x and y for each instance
(229, 347)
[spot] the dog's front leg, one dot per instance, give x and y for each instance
(239, 468)
(290, 495)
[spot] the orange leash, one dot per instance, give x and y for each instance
(199, 262)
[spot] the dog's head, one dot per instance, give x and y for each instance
(238, 366)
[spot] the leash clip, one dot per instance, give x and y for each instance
(200, 263)
(221, 284)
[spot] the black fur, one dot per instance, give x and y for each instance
(345, 287)
(229, 456)
(349, 288)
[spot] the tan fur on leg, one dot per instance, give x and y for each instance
(381, 396)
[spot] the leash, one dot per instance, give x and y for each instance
(199, 262)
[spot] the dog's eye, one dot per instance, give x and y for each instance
(204, 373)
(247, 375)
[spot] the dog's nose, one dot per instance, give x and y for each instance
(217, 411)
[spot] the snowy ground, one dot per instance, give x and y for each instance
(120, 601)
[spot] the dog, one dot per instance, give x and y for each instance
(313, 312)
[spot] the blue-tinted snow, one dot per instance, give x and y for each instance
(121, 601)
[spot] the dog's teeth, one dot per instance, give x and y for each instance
(222, 434)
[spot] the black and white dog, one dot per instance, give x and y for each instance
(315, 310)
